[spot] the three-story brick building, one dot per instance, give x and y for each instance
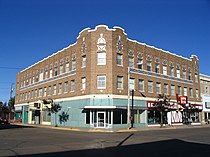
(92, 78)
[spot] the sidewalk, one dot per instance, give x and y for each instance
(139, 129)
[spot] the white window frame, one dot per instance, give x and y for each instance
(101, 58)
(101, 82)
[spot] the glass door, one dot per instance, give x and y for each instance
(101, 119)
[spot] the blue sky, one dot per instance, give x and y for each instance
(31, 30)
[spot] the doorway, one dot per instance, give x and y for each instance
(101, 119)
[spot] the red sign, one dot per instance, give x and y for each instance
(183, 100)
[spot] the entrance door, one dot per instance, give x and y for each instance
(101, 119)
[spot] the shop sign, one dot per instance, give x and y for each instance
(183, 100)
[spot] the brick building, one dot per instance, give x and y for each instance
(205, 94)
(89, 79)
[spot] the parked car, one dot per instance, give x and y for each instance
(4, 121)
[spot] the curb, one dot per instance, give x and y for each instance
(112, 131)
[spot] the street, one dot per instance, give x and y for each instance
(34, 141)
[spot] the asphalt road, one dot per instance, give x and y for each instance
(47, 142)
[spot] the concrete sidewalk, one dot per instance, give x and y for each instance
(146, 128)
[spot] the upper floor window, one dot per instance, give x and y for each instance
(140, 63)
(165, 88)
(178, 73)
(179, 90)
(61, 66)
(164, 69)
(172, 71)
(66, 87)
(101, 82)
(197, 93)
(141, 85)
(149, 66)
(189, 74)
(51, 71)
(119, 59)
(119, 82)
(45, 91)
(83, 83)
(157, 67)
(72, 85)
(191, 92)
(184, 73)
(54, 89)
(83, 61)
(73, 63)
(41, 75)
(46, 72)
(130, 62)
(56, 69)
(60, 88)
(196, 77)
(158, 87)
(49, 90)
(172, 90)
(185, 91)
(150, 86)
(101, 58)
(67, 64)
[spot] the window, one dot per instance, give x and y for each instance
(101, 58)
(119, 59)
(172, 90)
(49, 90)
(41, 75)
(150, 86)
(46, 72)
(45, 91)
(51, 71)
(141, 85)
(158, 87)
(32, 94)
(164, 70)
(130, 62)
(56, 69)
(36, 93)
(72, 85)
(196, 77)
(54, 89)
(132, 84)
(83, 61)
(189, 75)
(61, 67)
(101, 82)
(83, 83)
(184, 75)
(119, 82)
(165, 89)
(67, 64)
(40, 92)
(178, 73)
(140, 64)
(191, 92)
(196, 93)
(66, 87)
(74, 64)
(59, 88)
(157, 67)
(172, 71)
(179, 90)
(185, 91)
(149, 66)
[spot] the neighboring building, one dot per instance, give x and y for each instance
(89, 79)
(205, 94)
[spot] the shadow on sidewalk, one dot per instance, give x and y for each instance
(172, 148)
(13, 126)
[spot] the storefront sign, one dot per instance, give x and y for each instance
(183, 100)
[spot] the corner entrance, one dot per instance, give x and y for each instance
(101, 119)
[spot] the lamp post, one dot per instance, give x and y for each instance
(128, 107)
